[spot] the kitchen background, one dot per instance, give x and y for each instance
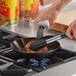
(44, 4)
(61, 62)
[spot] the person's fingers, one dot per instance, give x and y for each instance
(74, 30)
(37, 20)
(68, 33)
(52, 20)
(40, 18)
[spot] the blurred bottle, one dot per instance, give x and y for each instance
(2, 20)
(21, 9)
(31, 9)
(9, 12)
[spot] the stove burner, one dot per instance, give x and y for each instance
(44, 62)
(36, 63)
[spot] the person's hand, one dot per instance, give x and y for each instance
(71, 29)
(49, 14)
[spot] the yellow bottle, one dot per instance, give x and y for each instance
(10, 10)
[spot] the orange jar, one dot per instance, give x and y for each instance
(31, 9)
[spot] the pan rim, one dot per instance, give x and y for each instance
(50, 51)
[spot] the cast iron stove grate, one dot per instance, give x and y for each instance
(59, 57)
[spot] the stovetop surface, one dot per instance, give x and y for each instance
(23, 65)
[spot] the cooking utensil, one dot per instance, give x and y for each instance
(59, 27)
(42, 42)
(18, 46)
(40, 32)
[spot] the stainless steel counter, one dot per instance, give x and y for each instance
(66, 69)
(23, 28)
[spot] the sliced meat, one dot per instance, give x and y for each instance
(27, 49)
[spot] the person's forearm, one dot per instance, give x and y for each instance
(59, 4)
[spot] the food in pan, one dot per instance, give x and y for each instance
(27, 49)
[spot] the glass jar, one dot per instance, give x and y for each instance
(9, 12)
(21, 9)
(31, 9)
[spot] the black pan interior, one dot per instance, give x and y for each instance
(19, 44)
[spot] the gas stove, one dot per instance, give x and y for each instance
(14, 64)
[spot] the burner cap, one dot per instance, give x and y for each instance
(41, 62)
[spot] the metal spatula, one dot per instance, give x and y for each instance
(42, 42)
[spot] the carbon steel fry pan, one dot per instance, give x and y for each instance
(18, 46)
